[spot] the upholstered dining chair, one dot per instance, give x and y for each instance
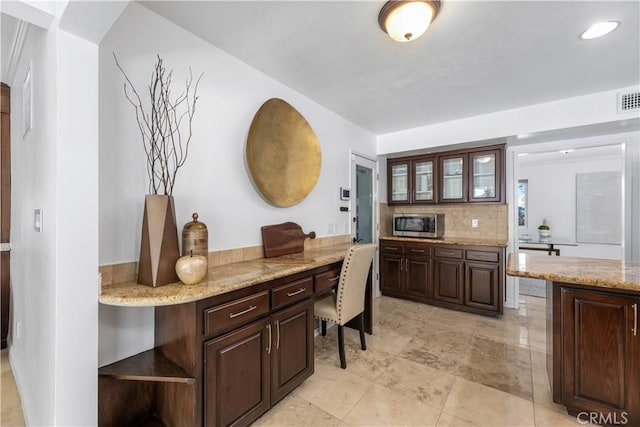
(348, 301)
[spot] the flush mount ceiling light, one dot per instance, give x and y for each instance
(406, 20)
(599, 29)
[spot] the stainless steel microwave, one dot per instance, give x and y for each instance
(419, 225)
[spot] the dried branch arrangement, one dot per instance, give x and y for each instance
(162, 124)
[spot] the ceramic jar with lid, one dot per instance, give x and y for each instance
(195, 238)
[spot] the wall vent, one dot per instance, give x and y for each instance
(628, 102)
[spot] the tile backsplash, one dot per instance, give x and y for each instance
(127, 272)
(492, 219)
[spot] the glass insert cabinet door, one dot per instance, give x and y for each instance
(424, 181)
(483, 176)
(400, 182)
(453, 178)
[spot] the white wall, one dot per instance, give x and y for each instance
(33, 255)
(214, 181)
(598, 107)
(552, 195)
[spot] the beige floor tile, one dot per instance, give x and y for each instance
(441, 351)
(398, 323)
(537, 339)
(486, 406)
(513, 333)
(391, 341)
(498, 365)
(381, 406)
(368, 364)
(417, 382)
(10, 405)
(333, 390)
(295, 411)
(448, 420)
(547, 418)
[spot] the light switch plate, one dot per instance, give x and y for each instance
(474, 223)
(37, 220)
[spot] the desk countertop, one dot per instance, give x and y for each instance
(221, 279)
(604, 273)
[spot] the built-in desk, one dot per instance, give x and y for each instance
(226, 349)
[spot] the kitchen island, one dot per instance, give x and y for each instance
(593, 337)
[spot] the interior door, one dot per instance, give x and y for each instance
(5, 207)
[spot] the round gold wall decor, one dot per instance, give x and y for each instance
(283, 153)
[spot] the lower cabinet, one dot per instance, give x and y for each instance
(468, 278)
(249, 370)
(597, 366)
(447, 279)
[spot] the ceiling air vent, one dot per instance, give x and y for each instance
(628, 102)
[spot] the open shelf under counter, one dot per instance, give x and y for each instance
(150, 365)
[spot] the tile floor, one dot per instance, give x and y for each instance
(424, 366)
(427, 366)
(10, 408)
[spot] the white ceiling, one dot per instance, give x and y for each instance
(477, 57)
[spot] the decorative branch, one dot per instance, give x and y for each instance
(161, 124)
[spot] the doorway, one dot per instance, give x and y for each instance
(363, 206)
(5, 208)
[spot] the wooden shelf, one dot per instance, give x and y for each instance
(150, 365)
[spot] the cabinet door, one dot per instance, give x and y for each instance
(600, 354)
(448, 281)
(398, 182)
(391, 274)
(236, 375)
(485, 180)
(481, 282)
(418, 277)
(424, 178)
(453, 178)
(292, 356)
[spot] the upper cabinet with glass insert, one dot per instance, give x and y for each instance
(461, 176)
(485, 177)
(412, 181)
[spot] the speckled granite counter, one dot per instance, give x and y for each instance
(604, 273)
(221, 279)
(451, 241)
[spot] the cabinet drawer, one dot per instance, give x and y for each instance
(391, 248)
(417, 250)
(235, 313)
(327, 280)
(292, 292)
(448, 253)
(482, 256)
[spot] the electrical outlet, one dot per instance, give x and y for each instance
(474, 223)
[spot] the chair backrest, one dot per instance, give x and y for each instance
(353, 281)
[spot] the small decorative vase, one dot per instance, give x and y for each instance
(544, 233)
(195, 238)
(159, 249)
(191, 269)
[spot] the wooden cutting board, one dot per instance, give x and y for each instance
(283, 239)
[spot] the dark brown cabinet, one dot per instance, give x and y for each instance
(447, 278)
(467, 278)
(237, 373)
(461, 176)
(405, 270)
(412, 181)
(597, 364)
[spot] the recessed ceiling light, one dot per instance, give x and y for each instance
(599, 29)
(523, 135)
(522, 154)
(566, 151)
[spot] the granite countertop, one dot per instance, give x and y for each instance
(451, 241)
(221, 279)
(604, 273)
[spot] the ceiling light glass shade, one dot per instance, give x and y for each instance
(407, 20)
(599, 29)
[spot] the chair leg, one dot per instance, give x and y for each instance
(343, 361)
(323, 324)
(363, 342)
